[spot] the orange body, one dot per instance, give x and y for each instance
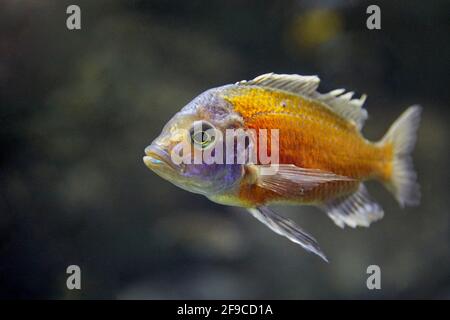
(310, 136)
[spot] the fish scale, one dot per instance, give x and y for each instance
(305, 132)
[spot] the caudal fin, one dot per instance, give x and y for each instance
(402, 136)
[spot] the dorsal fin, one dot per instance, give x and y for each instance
(294, 83)
(337, 100)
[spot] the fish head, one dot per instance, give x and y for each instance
(189, 152)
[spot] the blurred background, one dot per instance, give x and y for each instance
(77, 109)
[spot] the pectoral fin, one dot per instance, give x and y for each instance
(290, 181)
(288, 229)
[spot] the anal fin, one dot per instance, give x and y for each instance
(354, 210)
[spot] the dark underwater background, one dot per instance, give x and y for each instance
(77, 109)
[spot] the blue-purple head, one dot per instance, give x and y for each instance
(191, 151)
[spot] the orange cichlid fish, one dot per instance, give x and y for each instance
(322, 157)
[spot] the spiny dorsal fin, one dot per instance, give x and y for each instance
(294, 83)
(337, 100)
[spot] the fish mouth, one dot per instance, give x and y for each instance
(157, 159)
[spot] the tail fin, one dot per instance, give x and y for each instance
(402, 135)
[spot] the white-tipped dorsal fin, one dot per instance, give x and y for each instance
(354, 210)
(337, 100)
(294, 83)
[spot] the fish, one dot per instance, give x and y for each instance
(320, 157)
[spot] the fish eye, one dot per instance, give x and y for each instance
(200, 134)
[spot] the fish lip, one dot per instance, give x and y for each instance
(157, 157)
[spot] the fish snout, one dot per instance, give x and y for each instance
(156, 156)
